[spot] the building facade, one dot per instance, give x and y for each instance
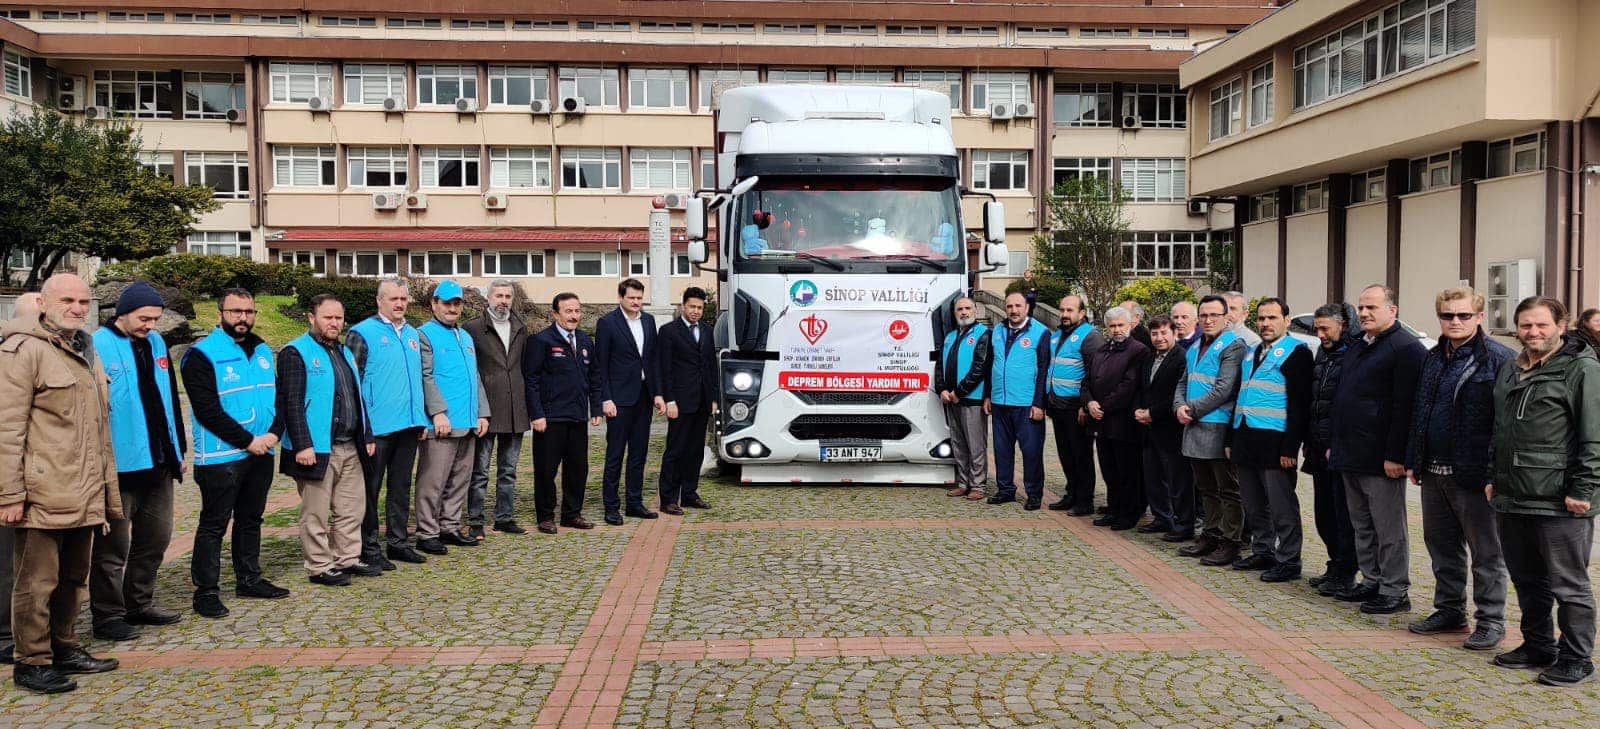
(515, 139)
(1415, 143)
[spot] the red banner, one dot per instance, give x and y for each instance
(858, 381)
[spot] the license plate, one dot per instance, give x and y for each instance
(851, 454)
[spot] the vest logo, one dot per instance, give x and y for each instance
(230, 375)
(412, 343)
(1026, 342)
(163, 362)
(316, 361)
(803, 293)
(383, 339)
(1072, 338)
(899, 330)
(972, 341)
(1277, 352)
(813, 328)
(265, 363)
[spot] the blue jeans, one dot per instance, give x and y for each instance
(1013, 428)
(502, 449)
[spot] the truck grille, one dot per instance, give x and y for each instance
(831, 427)
(819, 397)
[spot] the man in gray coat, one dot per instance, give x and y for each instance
(500, 336)
(1203, 403)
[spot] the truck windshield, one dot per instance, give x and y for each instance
(851, 218)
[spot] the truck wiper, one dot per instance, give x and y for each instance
(933, 263)
(830, 263)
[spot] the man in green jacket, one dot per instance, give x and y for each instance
(1546, 466)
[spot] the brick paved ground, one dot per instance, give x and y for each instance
(798, 607)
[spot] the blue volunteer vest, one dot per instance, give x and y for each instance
(1203, 373)
(391, 382)
(1066, 363)
(1264, 395)
(455, 372)
(130, 437)
(1014, 374)
(320, 383)
(964, 350)
(247, 388)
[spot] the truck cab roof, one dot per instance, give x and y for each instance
(833, 119)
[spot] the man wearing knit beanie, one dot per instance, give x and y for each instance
(147, 438)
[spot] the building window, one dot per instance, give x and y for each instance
(302, 166)
(1399, 38)
(1154, 179)
(1261, 94)
(1264, 207)
(448, 167)
(443, 85)
(1076, 168)
(518, 85)
(1365, 186)
(211, 95)
(1163, 32)
(681, 265)
(371, 83)
(911, 30)
(377, 167)
(317, 262)
(652, 26)
(1033, 31)
(638, 263)
(1309, 197)
(115, 16)
(1435, 171)
(519, 167)
(864, 75)
(605, 25)
(658, 88)
(226, 173)
(596, 86)
(945, 82)
(999, 87)
(202, 18)
(1179, 253)
(850, 30)
(17, 75)
(477, 24)
(270, 19)
(1156, 105)
(1225, 99)
(295, 83)
(1417, 32)
(1087, 32)
(714, 81)
(133, 93)
(441, 263)
(1337, 64)
(978, 31)
(219, 243)
(659, 169)
(413, 23)
(1016, 263)
(797, 76)
(22, 259)
(591, 168)
(997, 170)
(1083, 105)
(1516, 155)
(158, 163)
(513, 263)
(727, 27)
(586, 263)
(789, 29)
(561, 25)
(68, 15)
(368, 264)
(708, 168)
(346, 21)
(15, 14)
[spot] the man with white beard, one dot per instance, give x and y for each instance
(963, 372)
(499, 335)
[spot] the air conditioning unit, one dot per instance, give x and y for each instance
(1198, 206)
(466, 106)
(386, 200)
(1024, 110)
(319, 103)
(1001, 111)
(97, 113)
(494, 201)
(1131, 121)
(676, 200)
(1509, 283)
(416, 201)
(394, 104)
(72, 93)
(539, 107)
(574, 105)
(234, 116)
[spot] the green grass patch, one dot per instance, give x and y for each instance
(286, 517)
(272, 325)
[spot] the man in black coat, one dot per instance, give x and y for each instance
(1108, 394)
(625, 350)
(1168, 479)
(689, 386)
(563, 393)
(1333, 323)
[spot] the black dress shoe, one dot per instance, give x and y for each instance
(78, 660)
(1254, 562)
(1104, 520)
(153, 616)
(997, 499)
(331, 578)
(1122, 526)
(431, 546)
(210, 606)
(509, 527)
(406, 554)
(1441, 621)
(8, 651)
(1102, 510)
(1062, 505)
(261, 589)
(42, 679)
(379, 561)
(458, 539)
(1281, 573)
(694, 502)
(1387, 605)
(1085, 511)
(1335, 585)
(577, 522)
(362, 569)
(1176, 537)
(118, 630)
(546, 527)
(1032, 504)
(1568, 672)
(640, 513)
(613, 518)
(1357, 592)
(1155, 527)
(672, 509)
(1524, 657)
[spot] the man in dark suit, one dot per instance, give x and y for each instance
(562, 389)
(689, 386)
(499, 336)
(1168, 480)
(625, 344)
(1108, 392)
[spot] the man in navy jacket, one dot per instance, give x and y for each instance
(563, 393)
(625, 344)
(690, 385)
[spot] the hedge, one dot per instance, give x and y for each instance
(1156, 295)
(204, 275)
(359, 296)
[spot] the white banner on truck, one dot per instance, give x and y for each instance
(853, 351)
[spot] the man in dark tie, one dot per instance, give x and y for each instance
(625, 344)
(689, 386)
(562, 392)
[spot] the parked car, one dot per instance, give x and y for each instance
(1303, 328)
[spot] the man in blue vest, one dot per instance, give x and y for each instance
(325, 431)
(563, 393)
(1070, 351)
(1019, 362)
(625, 346)
(233, 394)
(147, 437)
(1203, 403)
(962, 372)
(459, 409)
(388, 355)
(1269, 423)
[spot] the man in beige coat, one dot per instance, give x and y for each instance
(58, 480)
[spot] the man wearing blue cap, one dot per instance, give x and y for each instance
(459, 412)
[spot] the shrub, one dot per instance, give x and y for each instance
(359, 296)
(1156, 295)
(1050, 289)
(210, 275)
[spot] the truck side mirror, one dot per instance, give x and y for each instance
(994, 254)
(994, 222)
(694, 222)
(697, 252)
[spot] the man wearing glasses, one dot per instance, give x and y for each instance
(232, 388)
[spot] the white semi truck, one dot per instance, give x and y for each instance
(841, 248)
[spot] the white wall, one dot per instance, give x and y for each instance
(1366, 247)
(1430, 253)
(1308, 261)
(1510, 221)
(1260, 246)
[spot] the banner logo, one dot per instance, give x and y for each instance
(803, 293)
(813, 328)
(899, 330)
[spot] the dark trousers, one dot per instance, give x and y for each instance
(1169, 486)
(627, 435)
(1014, 429)
(51, 567)
(1123, 469)
(1217, 482)
(1455, 520)
(497, 451)
(1548, 558)
(393, 458)
(126, 560)
(562, 446)
(1272, 512)
(8, 538)
(680, 464)
(1333, 523)
(236, 492)
(1075, 450)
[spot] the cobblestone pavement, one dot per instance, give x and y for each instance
(797, 607)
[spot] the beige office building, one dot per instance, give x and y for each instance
(1417, 143)
(363, 141)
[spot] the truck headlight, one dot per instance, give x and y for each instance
(739, 411)
(742, 381)
(943, 450)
